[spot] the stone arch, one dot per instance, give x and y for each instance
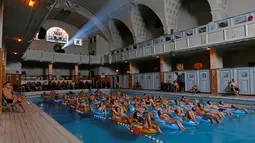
(200, 9)
(218, 9)
(138, 24)
(157, 6)
(172, 11)
(148, 23)
(121, 34)
(87, 14)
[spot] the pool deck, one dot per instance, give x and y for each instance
(33, 126)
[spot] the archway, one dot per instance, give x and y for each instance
(125, 33)
(152, 22)
(200, 9)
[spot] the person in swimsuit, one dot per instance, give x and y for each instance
(118, 111)
(215, 107)
(205, 115)
(223, 105)
(167, 119)
(146, 122)
(10, 98)
(188, 115)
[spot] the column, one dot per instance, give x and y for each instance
(50, 69)
(169, 29)
(2, 70)
(76, 73)
(165, 66)
(218, 14)
(133, 69)
(216, 62)
(139, 39)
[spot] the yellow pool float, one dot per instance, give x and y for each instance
(140, 129)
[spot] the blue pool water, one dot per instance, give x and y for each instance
(91, 130)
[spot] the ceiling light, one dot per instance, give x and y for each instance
(19, 40)
(31, 3)
(15, 53)
(208, 49)
(157, 57)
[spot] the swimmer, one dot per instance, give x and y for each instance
(168, 119)
(215, 107)
(223, 105)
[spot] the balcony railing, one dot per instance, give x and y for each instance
(214, 33)
(45, 56)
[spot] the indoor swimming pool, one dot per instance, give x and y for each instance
(89, 129)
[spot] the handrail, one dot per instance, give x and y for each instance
(208, 30)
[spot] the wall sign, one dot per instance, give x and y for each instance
(57, 35)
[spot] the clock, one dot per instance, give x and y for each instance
(180, 67)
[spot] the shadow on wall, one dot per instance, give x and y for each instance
(125, 33)
(152, 22)
(199, 9)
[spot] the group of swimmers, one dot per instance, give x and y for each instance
(145, 107)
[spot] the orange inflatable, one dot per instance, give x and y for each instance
(140, 129)
(122, 120)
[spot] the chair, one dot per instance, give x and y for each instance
(7, 105)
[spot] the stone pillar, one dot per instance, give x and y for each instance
(169, 29)
(139, 39)
(133, 69)
(218, 14)
(2, 70)
(216, 62)
(76, 73)
(165, 66)
(50, 69)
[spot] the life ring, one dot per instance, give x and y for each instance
(163, 124)
(96, 112)
(202, 120)
(57, 100)
(121, 119)
(236, 111)
(140, 129)
(189, 123)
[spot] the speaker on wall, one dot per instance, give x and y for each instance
(42, 33)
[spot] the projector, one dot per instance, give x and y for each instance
(58, 48)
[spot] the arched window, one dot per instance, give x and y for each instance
(57, 34)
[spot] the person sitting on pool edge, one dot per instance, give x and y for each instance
(11, 98)
(223, 105)
(145, 122)
(215, 107)
(234, 87)
(195, 89)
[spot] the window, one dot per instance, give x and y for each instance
(177, 36)
(189, 32)
(57, 35)
(202, 29)
(239, 20)
(36, 36)
(78, 42)
(222, 24)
